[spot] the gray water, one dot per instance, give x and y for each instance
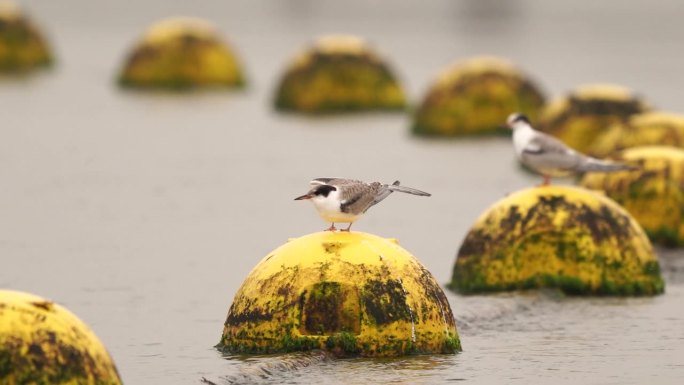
(143, 212)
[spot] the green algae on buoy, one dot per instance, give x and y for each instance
(649, 128)
(43, 343)
(351, 293)
(182, 53)
(654, 194)
(475, 97)
(581, 116)
(557, 236)
(22, 45)
(339, 73)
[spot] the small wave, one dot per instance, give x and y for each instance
(268, 368)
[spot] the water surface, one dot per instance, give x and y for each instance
(143, 213)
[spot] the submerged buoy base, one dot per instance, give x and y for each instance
(351, 293)
(654, 194)
(557, 236)
(43, 343)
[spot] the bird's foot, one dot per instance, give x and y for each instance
(331, 228)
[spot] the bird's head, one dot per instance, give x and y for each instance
(319, 191)
(516, 119)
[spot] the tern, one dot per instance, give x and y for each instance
(549, 156)
(346, 200)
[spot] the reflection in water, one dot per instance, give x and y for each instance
(290, 368)
(262, 369)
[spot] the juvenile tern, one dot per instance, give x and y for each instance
(346, 200)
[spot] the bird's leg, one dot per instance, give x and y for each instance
(547, 180)
(348, 227)
(332, 227)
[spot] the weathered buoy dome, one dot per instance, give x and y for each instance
(43, 343)
(557, 236)
(475, 96)
(22, 45)
(347, 292)
(585, 113)
(182, 53)
(339, 73)
(649, 128)
(654, 195)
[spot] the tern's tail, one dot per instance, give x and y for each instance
(395, 187)
(597, 165)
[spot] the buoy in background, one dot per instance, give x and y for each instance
(649, 128)
(182, 53)
(351, 293)
(338, 73)
(474, 97)
(43, 343)
(581, 116)
(22, 45)
(557, 236)
(654, 195)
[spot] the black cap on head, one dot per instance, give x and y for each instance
(324, 190)
(516, 117)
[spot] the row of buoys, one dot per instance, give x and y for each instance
(344, 73)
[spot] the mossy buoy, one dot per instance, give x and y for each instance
(182, 53)
(22, 45)
(43, 343)
(350, 293)
(338, 73)
(654, 195)
(585, 113)
(649, 128)
(474, 97)
(557, 236)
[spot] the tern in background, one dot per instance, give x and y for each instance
(346, 200)
(549, 156)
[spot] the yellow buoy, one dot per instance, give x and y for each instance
(22, 45)
(182, 53)
(579, 117)
(350, 293)
(339, 73)
(557, 236)
(43, 343)
(649, 128)
(654, 195)
(475, 97)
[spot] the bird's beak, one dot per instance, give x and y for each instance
(305, 196)
(505, 126)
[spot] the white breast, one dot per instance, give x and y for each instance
(329, 208)
(522, 136)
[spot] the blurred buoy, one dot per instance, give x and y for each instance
(581, 116)
(649, 128)
(43, 343)
(351, 293)
(22, 45)
(182, 53)
(654, 195)
(338, 73)
(474, 97)
(557, 236)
